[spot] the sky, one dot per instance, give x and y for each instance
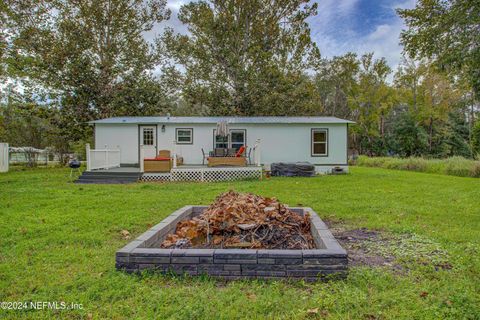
(341, 26)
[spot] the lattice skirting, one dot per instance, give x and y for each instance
(206, 174)
(156, 177)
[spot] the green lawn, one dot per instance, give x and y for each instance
(58, 242)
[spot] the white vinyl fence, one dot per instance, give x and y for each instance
(102, 158)
(3, 157)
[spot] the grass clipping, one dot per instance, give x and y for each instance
(243, 220)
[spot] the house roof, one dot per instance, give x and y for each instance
(149, 120)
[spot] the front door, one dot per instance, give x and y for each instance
(148, 139)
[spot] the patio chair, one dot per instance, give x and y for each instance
(219, 152)
(249, 153)
(231, 152)
(164, 153)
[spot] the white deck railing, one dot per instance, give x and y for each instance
(102, 158)
(3, 157)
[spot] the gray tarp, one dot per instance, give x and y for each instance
(292, 169)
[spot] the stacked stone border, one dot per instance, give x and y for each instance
(328, 260)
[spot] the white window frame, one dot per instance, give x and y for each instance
(244, 142)
(229, 139)
(153, 136)
(184, 129)
(312, 142)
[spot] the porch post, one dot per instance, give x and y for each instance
(174, 154)
(119, 155)
(142, 155)
(106, 158)
(87, 149)
(257, 153)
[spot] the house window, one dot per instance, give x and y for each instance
(236, 138)
(220, 142)
(319, 142)
(148, 136)
(184, 135)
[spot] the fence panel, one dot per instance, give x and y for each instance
(3, 157)
(104, 158)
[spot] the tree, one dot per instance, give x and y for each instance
(408, 79)
(335, 81)
(476, 139)
(3, 39)
(244, 57)
(86, 55)
(438, 99)
(371, 99)
(447, 32)
(431, 98)
(455, 139)
(406, 138)
(24, 123)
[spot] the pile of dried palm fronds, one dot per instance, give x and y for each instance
(243, 220)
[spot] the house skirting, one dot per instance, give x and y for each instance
(205, 174)
(327, 169)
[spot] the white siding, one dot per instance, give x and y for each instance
(279, 142)
(125, 136)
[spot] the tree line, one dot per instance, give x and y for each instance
(64, 63)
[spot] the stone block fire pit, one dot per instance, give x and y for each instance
(143, 253)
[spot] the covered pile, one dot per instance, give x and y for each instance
(243, 220)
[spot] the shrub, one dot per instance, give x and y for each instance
(455, 166)
(476, 139)
(475, 170)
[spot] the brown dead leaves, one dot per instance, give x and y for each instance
(243, 220)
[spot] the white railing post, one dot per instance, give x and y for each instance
(106, 156)
(4, 157)
(174, 154)
(257, 153)
(142, 156)
(87, 150)
(119, 155)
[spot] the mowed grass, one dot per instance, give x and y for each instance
(58, 243)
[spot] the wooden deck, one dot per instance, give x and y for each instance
(119, 170)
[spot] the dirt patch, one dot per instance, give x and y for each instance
(356, 242)
(398, 252)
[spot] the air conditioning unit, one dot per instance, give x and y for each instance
(338, 170)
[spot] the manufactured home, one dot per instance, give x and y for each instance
(195, 141)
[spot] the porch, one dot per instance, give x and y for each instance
(184, 173)
(106, 163)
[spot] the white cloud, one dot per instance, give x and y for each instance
(383, 40)
(332, 29)
(173, 22)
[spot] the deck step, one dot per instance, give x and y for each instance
(102, 177)
(105, 177)
(106, 173)
(109, 181)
